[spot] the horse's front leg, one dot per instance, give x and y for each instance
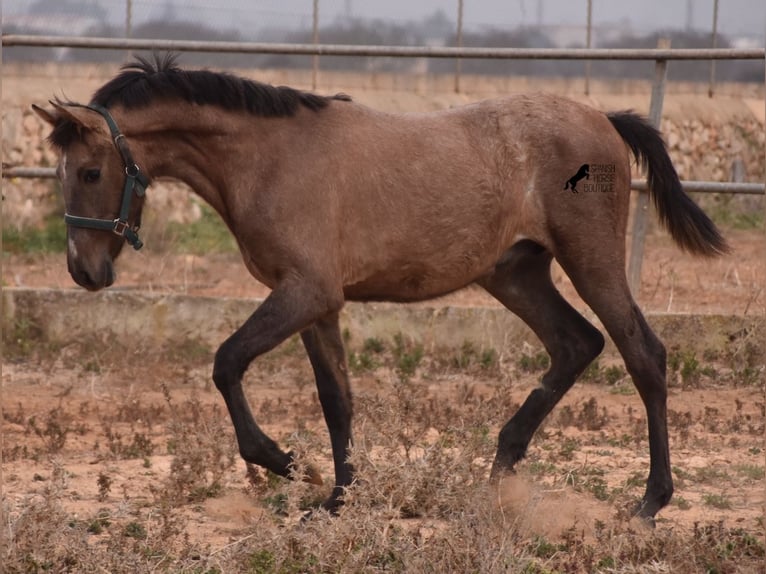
(324, 345)
(291, 307)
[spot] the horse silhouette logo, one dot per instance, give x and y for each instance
(583, 172)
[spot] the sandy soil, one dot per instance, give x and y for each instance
(73, 420)
(106, 397)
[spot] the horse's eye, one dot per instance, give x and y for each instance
(92, 175)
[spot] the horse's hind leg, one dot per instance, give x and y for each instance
(606, 291)
(522, 282)
(325, 349)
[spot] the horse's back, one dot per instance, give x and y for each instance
(426, 203)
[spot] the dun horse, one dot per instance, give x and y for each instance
(331, 201)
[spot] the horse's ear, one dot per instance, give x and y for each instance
(81, 116)
(49, 116)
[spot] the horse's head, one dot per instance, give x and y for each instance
(103, 190)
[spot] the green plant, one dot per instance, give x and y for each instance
(407, 356)
(614, 374)
(720, 501)
(751, 471)
(24, 337)
(206, 235)
(533, 363)
(135, 530)
(50, 237)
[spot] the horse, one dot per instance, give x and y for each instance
(332, 201)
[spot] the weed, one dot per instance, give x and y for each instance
(534, 363)
(752, 472)
(614, 374)
(140, 445)
(374, 345)
(407, 356)
(682, 475)
(362, 362)
(99, 523)
(262, 562)
(24, 337)
(135, 530)
(466, 356)
(709, 474)
(470, 355)
(592, 372)
(568, 448)
(597, 486)
(489, 359)
(203, 450)
(590, 418)
(54, 431)
(104, 483)
(542, 548)
(720, 501)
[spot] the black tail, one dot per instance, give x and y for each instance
(690, 228)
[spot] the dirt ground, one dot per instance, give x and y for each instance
(96, 424)
(76, 417)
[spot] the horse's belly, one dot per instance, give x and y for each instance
(411, 283)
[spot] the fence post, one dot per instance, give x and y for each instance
(315, 39)
(588, 44)
(714, 41)
(129, 23)
(459, 42)
(641, 214)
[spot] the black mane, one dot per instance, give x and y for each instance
(143, 81)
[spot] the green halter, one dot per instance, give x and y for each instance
(135, 182)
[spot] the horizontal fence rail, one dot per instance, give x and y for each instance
(11, 40)
(710, 187)
(636, 184)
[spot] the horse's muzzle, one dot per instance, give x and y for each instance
(93, 279)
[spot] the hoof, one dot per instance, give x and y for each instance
(639, 514)
(499, 472)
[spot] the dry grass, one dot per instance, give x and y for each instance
(426, 427)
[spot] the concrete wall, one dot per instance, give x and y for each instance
(63, 316)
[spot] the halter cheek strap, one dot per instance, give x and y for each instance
(135, 183)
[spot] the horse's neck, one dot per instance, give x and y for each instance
(193, 144)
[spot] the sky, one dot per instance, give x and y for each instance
(736, 17)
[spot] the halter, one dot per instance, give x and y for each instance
(135, 182)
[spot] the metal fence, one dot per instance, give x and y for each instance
(661, 55)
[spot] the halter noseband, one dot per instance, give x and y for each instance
(135, 182)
